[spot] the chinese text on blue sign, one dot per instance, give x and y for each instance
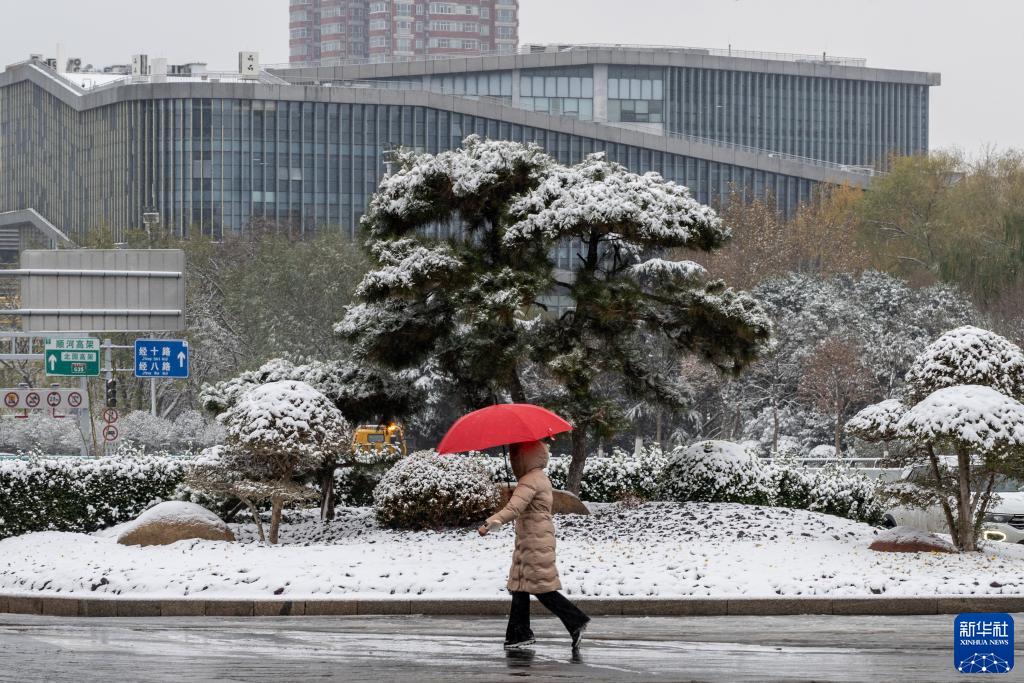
(161, 358)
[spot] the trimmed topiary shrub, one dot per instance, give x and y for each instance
(83, 495)
(716, 472)
(430, 491)
(841, 491)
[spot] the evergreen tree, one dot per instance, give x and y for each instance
(451, 300)
(623, 286)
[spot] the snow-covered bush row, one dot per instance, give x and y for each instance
(39, 493)
(716, 472)
(723, 472)
(610, 478)
(430, 491)
(833, 489)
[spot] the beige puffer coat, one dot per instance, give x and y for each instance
(533, 562)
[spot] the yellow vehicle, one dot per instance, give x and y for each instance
(379, 437)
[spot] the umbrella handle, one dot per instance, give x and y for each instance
(508, 464)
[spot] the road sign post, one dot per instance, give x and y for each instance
(72, 357)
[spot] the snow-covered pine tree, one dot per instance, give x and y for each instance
(624, 283)
(964, 387)
(277, 434)
(453, 301)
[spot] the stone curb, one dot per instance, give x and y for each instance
(694, 607)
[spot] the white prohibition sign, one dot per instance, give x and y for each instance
(74, 399)
(110, 433)
(110, 415)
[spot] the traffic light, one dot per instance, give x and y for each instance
(111, 393)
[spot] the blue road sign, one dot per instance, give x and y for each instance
(161, 358)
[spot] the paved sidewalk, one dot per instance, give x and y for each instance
(910, 649)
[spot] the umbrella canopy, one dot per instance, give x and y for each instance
(501, 424)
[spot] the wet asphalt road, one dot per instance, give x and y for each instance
(429, 649)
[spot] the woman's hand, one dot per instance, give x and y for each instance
(488, 527)
(483, 530)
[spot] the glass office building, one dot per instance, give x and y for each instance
(308, 147)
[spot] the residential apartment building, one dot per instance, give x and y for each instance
(326, 32)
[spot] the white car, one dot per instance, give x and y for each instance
(1003, 522)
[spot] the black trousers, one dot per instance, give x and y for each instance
(519, 616)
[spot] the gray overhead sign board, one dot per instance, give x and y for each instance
(109, 290)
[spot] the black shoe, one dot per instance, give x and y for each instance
(577, 637)
(519, 644)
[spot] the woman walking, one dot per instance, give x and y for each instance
(533, 569)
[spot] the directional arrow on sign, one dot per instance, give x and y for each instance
(53, 362)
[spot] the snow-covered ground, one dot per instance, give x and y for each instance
(655, 550)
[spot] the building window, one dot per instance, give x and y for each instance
(485, 12)
(331, 46)
(378, 24)
(328, 12)
(507, 32)
(300, 15)
(377, 41)
(442, 8)
(505, 14)
(403, 10)
(441, 26)
(332, 28)
(378, 7)
(469, 44)
(299, 32)
(469, 27)
(404, 44)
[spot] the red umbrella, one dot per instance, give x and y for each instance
(501, 424)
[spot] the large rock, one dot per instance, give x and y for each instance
(905, 539)
(174, 521)
(565, 503)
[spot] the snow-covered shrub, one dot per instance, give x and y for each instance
(822, 451)
(430, 491)
(80, 494)
(715, 472)
(354, 485)
(791, 483)
(610, 478)
(842, 491)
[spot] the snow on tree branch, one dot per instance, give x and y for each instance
(968, 355)
(973, 417)
(644, 208)
(877, 422)
(430, 187)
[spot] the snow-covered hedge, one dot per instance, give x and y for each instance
(430, 491)
(73, 494)
(39, 432)
(716, 472)
(833, 489)
(611, 478)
